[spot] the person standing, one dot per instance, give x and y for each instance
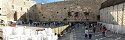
(103, 29)
(94, 29)
(90, 33)
(30, 21)
(86, 33)
(91, 25)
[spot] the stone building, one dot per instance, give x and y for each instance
(12, 10)
(113, 12)
(0, 6)
(67, 11)
(1, 16)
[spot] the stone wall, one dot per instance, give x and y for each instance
(67, 11)
(58, 11)
(113, 14)
(14, 9)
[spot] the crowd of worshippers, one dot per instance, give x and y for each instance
(33, 23)
(38, 23)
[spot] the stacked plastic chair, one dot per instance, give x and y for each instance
(8, 33)
(21, 33)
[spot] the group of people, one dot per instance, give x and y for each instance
(89, 31)
(103, 30)
(38, 23)
(12, 24)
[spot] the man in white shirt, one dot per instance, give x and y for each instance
(86, 32)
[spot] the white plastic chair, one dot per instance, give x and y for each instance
(19, 30)
(37, 37)
(43, 33)
(49, 38)
(33, 32)
(49, 32)
(25, 37)
(7, 31)
(13, 37)
(28, 32)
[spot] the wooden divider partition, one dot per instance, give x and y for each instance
(58, 30)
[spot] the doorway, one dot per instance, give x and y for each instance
(15, 16)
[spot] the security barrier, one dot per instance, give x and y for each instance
(115, 28)
(58, 30)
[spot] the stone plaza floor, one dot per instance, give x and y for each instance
(78, 34)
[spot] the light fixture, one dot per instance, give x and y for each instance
(43, 3)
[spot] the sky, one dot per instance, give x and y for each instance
(46, 1)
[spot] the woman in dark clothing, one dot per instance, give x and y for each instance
(103, 29)
(94, 29)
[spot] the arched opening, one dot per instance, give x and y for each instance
(98, 17)
(76, 14)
